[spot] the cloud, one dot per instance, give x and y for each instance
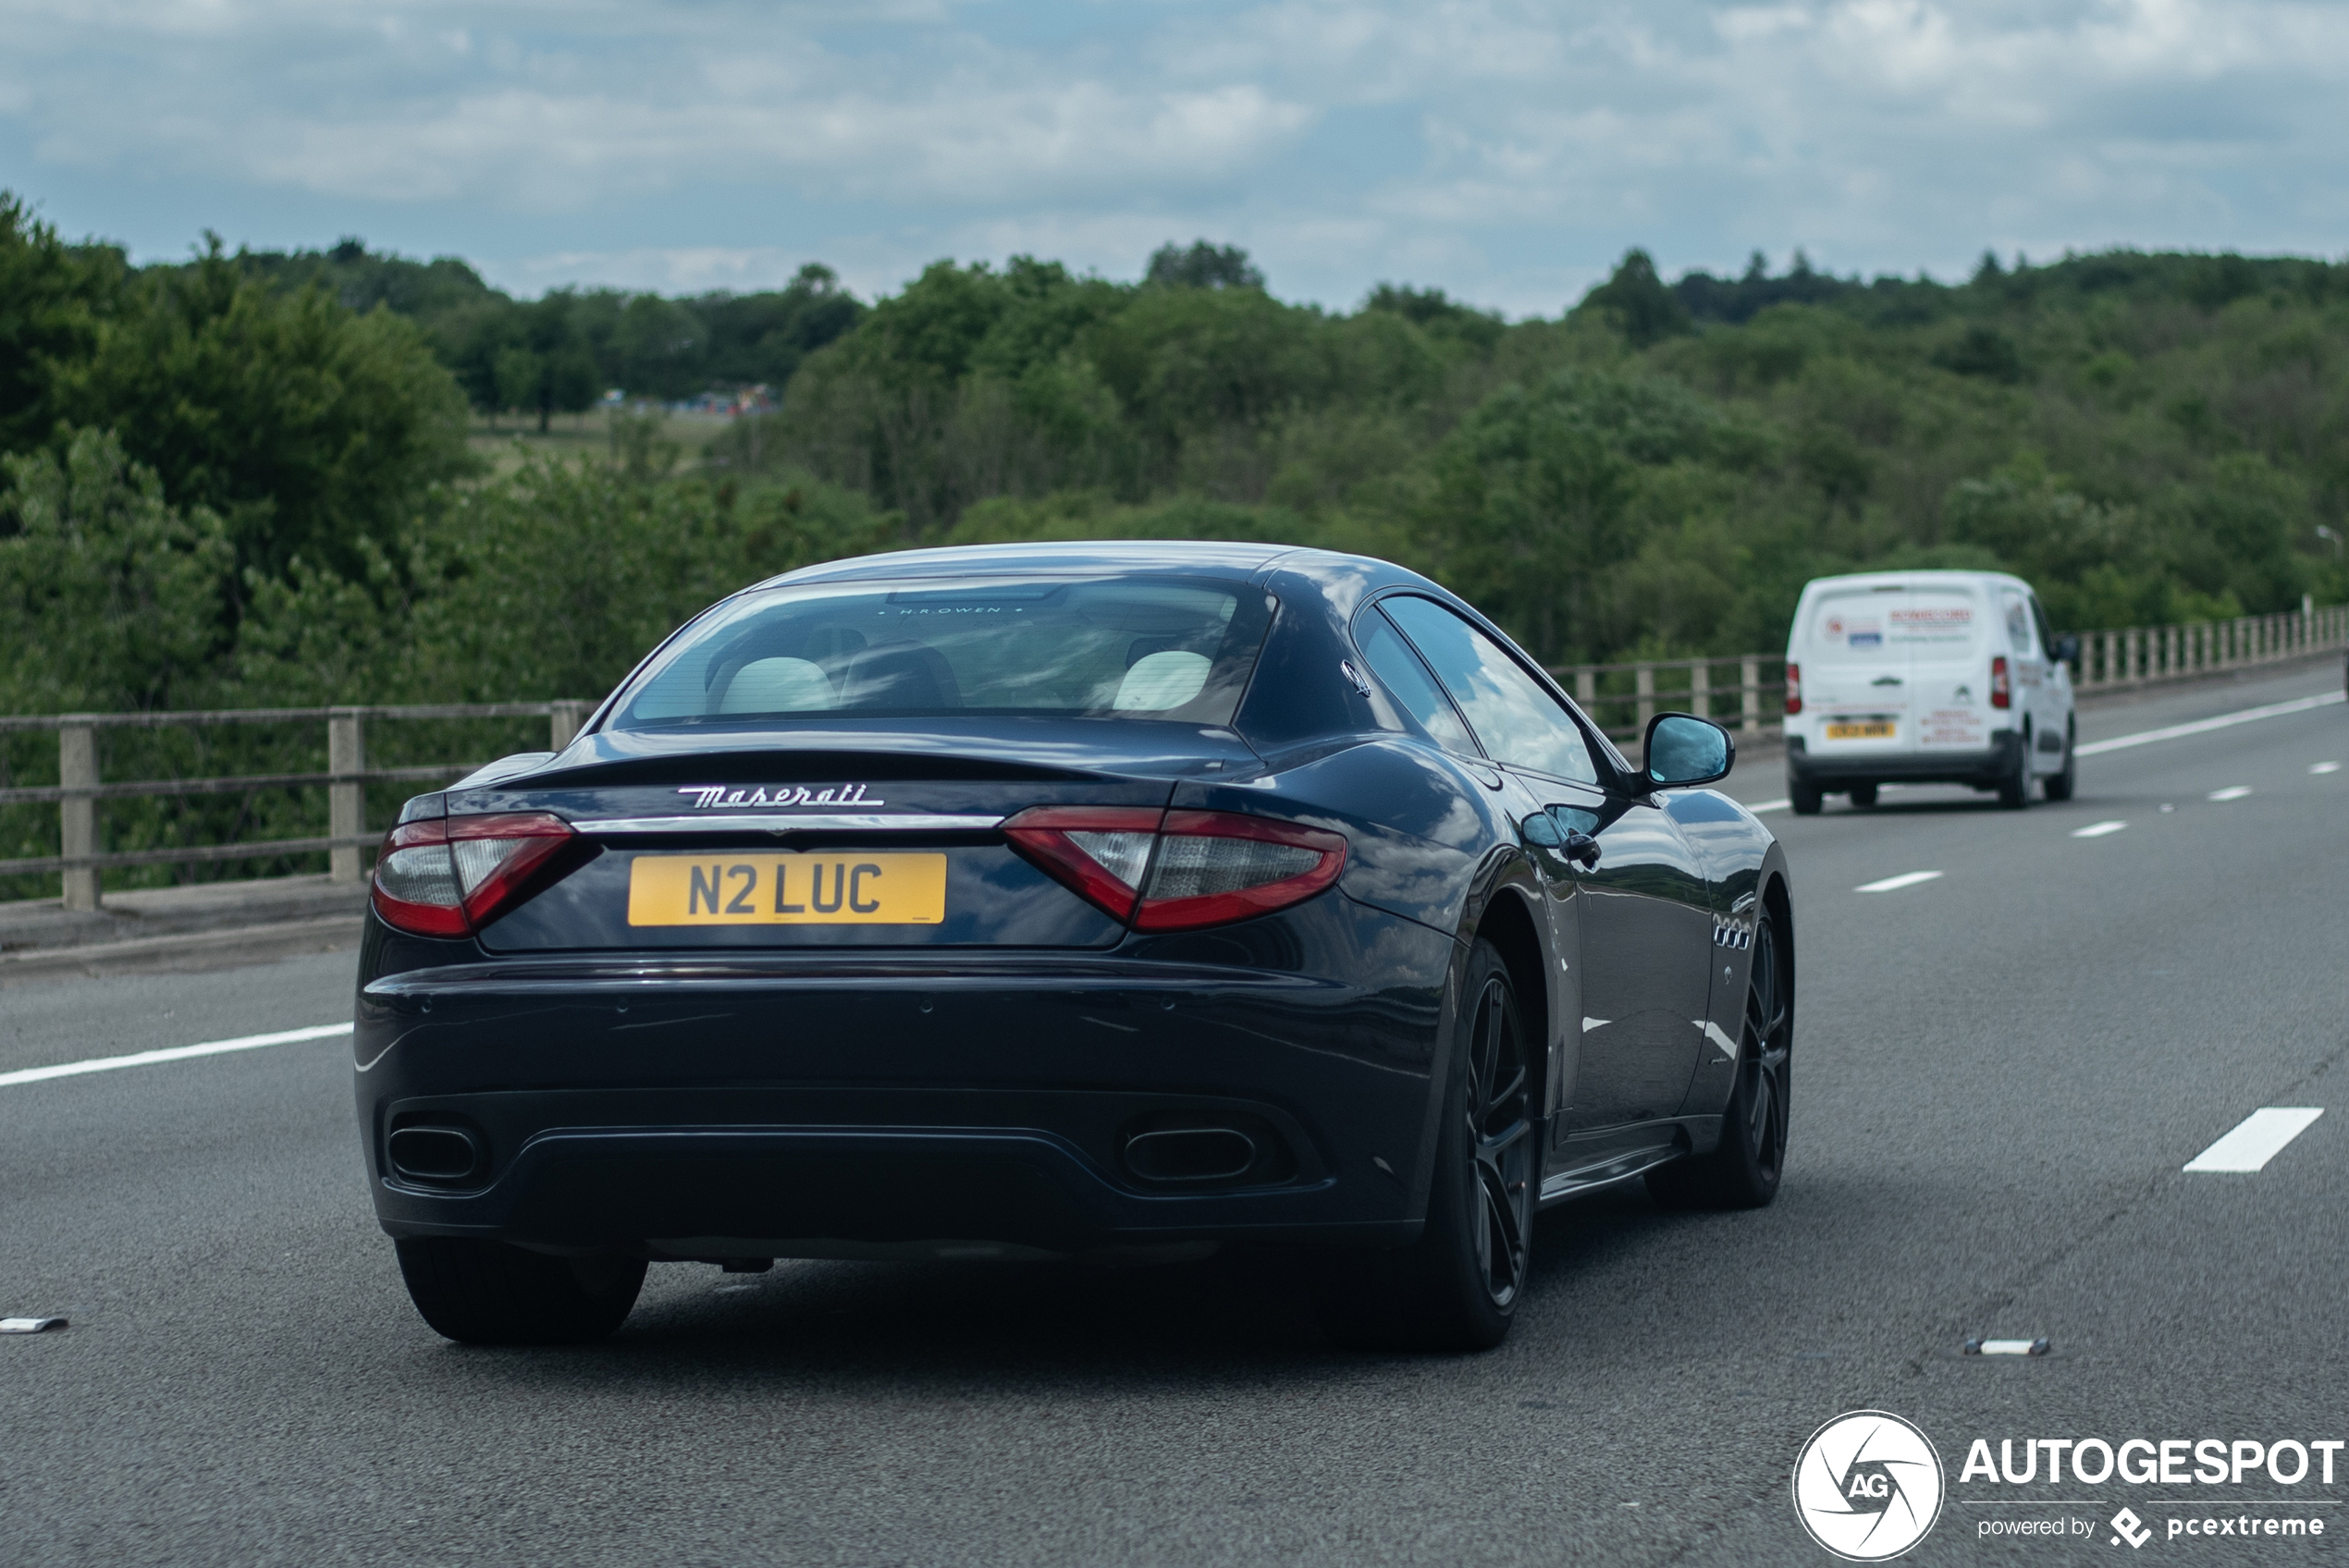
(1514, 148)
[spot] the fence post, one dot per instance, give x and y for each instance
(1749, 697)
(78, 819)
(1700, 689)
(1644, 691)
(563, 721)
(346, 796)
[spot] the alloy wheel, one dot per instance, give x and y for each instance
(1500, 1134)
(1763, 1051)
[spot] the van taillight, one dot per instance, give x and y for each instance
(449, 876)
(2001, 689)
(1793, 688)
(1177, 870)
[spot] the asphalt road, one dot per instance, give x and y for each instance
(1998, 1074)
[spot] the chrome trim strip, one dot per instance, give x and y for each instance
(849, 822)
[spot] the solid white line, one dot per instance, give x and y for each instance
(172, 1053)
(2201, 725)
(2098, 829)
(2006, 1347)
(2324, 767)
(2256, 1140)
(1759, 807)
(2232, 792)
(1894, 883)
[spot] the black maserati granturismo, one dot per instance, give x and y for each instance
(1109, 900)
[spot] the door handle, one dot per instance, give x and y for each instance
(1580, 848)
(1886, 681)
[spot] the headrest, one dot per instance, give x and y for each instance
(1159, 681)
(778, 686)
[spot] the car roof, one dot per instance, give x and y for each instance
(1914, 580)
(1206, 556)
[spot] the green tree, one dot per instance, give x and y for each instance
(1642, 309)
(304, 426)
(1201, 266)
(110, 598)
(53, 299)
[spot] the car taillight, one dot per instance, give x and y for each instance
(1178, 870)
(1793, 688)
(449, 876)
(2001, 689)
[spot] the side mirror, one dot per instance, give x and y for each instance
(2067, 647)
(1683, 750)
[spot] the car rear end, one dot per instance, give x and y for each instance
(1896, 676)
(918, 919)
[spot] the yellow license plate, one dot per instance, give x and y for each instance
(1870, 729)
(787, 889)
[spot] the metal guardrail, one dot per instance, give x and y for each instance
(1749, 703)
(2134, 655)
(1687, 686)
(79, 789)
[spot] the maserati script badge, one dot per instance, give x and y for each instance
(718, 797)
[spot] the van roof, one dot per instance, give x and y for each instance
(1915, 580)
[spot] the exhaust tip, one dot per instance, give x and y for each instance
(1190, 1154)
(435, 1153)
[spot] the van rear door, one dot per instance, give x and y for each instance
(1941, 631)
(1855, 672)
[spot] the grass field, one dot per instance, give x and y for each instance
(503, 444)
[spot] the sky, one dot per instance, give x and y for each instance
(1507, 154)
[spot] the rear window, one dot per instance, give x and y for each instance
(1876, 627)
(1851, 626)
(1932, 622)
(1153, 648)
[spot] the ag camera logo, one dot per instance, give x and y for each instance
(1869, 1486)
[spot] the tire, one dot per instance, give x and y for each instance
(1863, 794)
(482, 1293)
(1806, 798)
(2015, 787)
(2062, 786)
(1743, 1170)
(1458, 1287)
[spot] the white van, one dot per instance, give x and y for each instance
(1926, 677)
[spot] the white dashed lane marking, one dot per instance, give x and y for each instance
(172, 1053)
(2324, 767)
(2204, 725)
(1894, 883)
(2257, 1139)
(2232, 792)
(1769, 805)
(2098, 829)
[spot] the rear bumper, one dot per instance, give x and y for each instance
(1981, 768)
(954, 1105)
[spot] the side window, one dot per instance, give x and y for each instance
(1407, 679)
(2018, 623)
(1518, 722)
(2039, 619)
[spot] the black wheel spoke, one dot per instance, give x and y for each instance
(1766, 1047)
(1500, 1140)
(1510, 1094)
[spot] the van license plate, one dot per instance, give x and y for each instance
(787, 889)
(1869, 729)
